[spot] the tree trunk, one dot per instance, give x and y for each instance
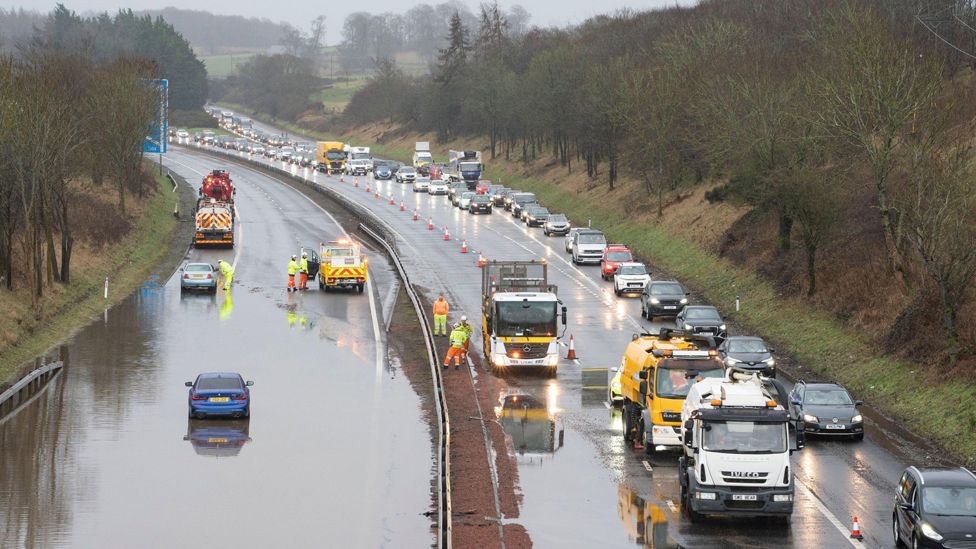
(895, 261)
(811, 270)
(53, 272)
(785, 230)
(949, 321)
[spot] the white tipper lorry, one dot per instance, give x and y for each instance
(738, 433)
(421, 154)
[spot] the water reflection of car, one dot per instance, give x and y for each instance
(219, 394)
(529, 423)
(645, 522)
(217, 438)
(198, 276)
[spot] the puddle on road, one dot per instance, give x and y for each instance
(218, 438)
(645, 523)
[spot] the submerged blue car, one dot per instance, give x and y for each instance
(219, 394)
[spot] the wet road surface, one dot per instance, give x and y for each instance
(590, 490)
(336, 452)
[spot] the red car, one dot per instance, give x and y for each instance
(613, 256)
(482, 187)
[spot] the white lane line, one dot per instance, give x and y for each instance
(844, 533)
(240, 237)
(672, 506)
(376, 326)
(647, 466)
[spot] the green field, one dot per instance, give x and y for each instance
(336, 97)
(221, 66)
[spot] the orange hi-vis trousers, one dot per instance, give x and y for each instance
(291, 281)
(457, 353)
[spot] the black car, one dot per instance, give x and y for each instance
(663, 298)
(501, 195)
(827, 409)
(536, 216)
(935, 507)
(748, 353)
(480, 203)
(382, 171)
(701, 320)
(520, 201)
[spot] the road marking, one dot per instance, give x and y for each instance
(648, 467)
(671, 506)
(801, 487)
(240, 237)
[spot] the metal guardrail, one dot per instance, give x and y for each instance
(32, 380)
(440, 402)
(384, 235)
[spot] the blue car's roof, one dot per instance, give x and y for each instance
(208, 375)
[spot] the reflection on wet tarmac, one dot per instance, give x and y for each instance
(646, 524)
(218, 438)
(530, 423)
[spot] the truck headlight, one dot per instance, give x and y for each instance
(810, 419)
(857, 419)
(782, 497)
(930, 532)
(705, 495)
(499, 359)
(552, 360)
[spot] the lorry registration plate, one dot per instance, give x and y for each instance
(836, 426)
(743, 497)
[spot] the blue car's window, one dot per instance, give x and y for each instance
(218, 384)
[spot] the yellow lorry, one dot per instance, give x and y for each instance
(330, 156)
(339, 264)
(656, 373)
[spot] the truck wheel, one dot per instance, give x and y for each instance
(359, 287)
(693, 516)
(628, 420)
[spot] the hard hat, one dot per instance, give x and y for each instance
(293, 257)
(304, 254)
(464, 318)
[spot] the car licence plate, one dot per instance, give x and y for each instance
(196, 276)
(219, 399)
(836, 426)
(670, 307)
(217, 440)
(743, 497)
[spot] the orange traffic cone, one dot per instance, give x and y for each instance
(481, 260)
(447, 235)
(430, 223)
(571, 354)
(356, 184)
(403, 206)
(341, 178)
(464, 246)
(856, 531)
(367, 188)
(415, 214)
(376, 194)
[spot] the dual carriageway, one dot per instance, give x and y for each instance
(338, 451)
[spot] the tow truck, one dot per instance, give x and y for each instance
(340, 264)
(520, 314)
(738, 433)
(656, 373)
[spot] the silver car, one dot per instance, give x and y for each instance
(198, 276)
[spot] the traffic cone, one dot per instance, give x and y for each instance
(464, 246)
(357, 183)
(367, 188)
(430, 223)
(392, 202)
(415, 214)
(403, 206)
(376, 194)
(481, 260)
(856, 531)
(571, 354)
(447, 235)
(341, 180)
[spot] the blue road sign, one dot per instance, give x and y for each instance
(159, 128)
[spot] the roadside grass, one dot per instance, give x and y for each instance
(223, 65)
(28, 334)
(336, 97)
(943, 411)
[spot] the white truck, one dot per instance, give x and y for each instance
(421, 154)
(464, 166)
(359, 161)
(738, 433)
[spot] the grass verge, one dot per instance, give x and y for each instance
(129, 261)
(943, 411)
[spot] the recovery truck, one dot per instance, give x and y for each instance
(343, 265)
(421, 154)
(214, 224)
(738, 434)
(217, 186)
(519, 315)
(656, 373)
(465, 166)
(331, 156)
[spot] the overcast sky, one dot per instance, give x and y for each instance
(299, 12)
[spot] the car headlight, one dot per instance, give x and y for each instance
(770, 362)
(655, 301)
(930, 532)
(684, 300)
(729, 361)
(722, 327)
(687, 326)
(810, 419)
(857, 419)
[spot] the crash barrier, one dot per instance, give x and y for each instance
(22, 391)
(384, 235)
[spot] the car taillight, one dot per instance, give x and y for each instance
(209, 277)
(186, 277)
(242, 396)
(195, 396)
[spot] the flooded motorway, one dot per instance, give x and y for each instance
(335, 453)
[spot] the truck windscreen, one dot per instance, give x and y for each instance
(526, 318)
(335, 155)
(676, 382)
(744, 437)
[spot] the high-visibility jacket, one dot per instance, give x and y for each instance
(303, 265)
(458, 337)
(468, 330)
(292, 267)
(225, 268)
(440, 307)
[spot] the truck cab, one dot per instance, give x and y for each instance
(342, 265)
(738, 435)
(657, 372)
